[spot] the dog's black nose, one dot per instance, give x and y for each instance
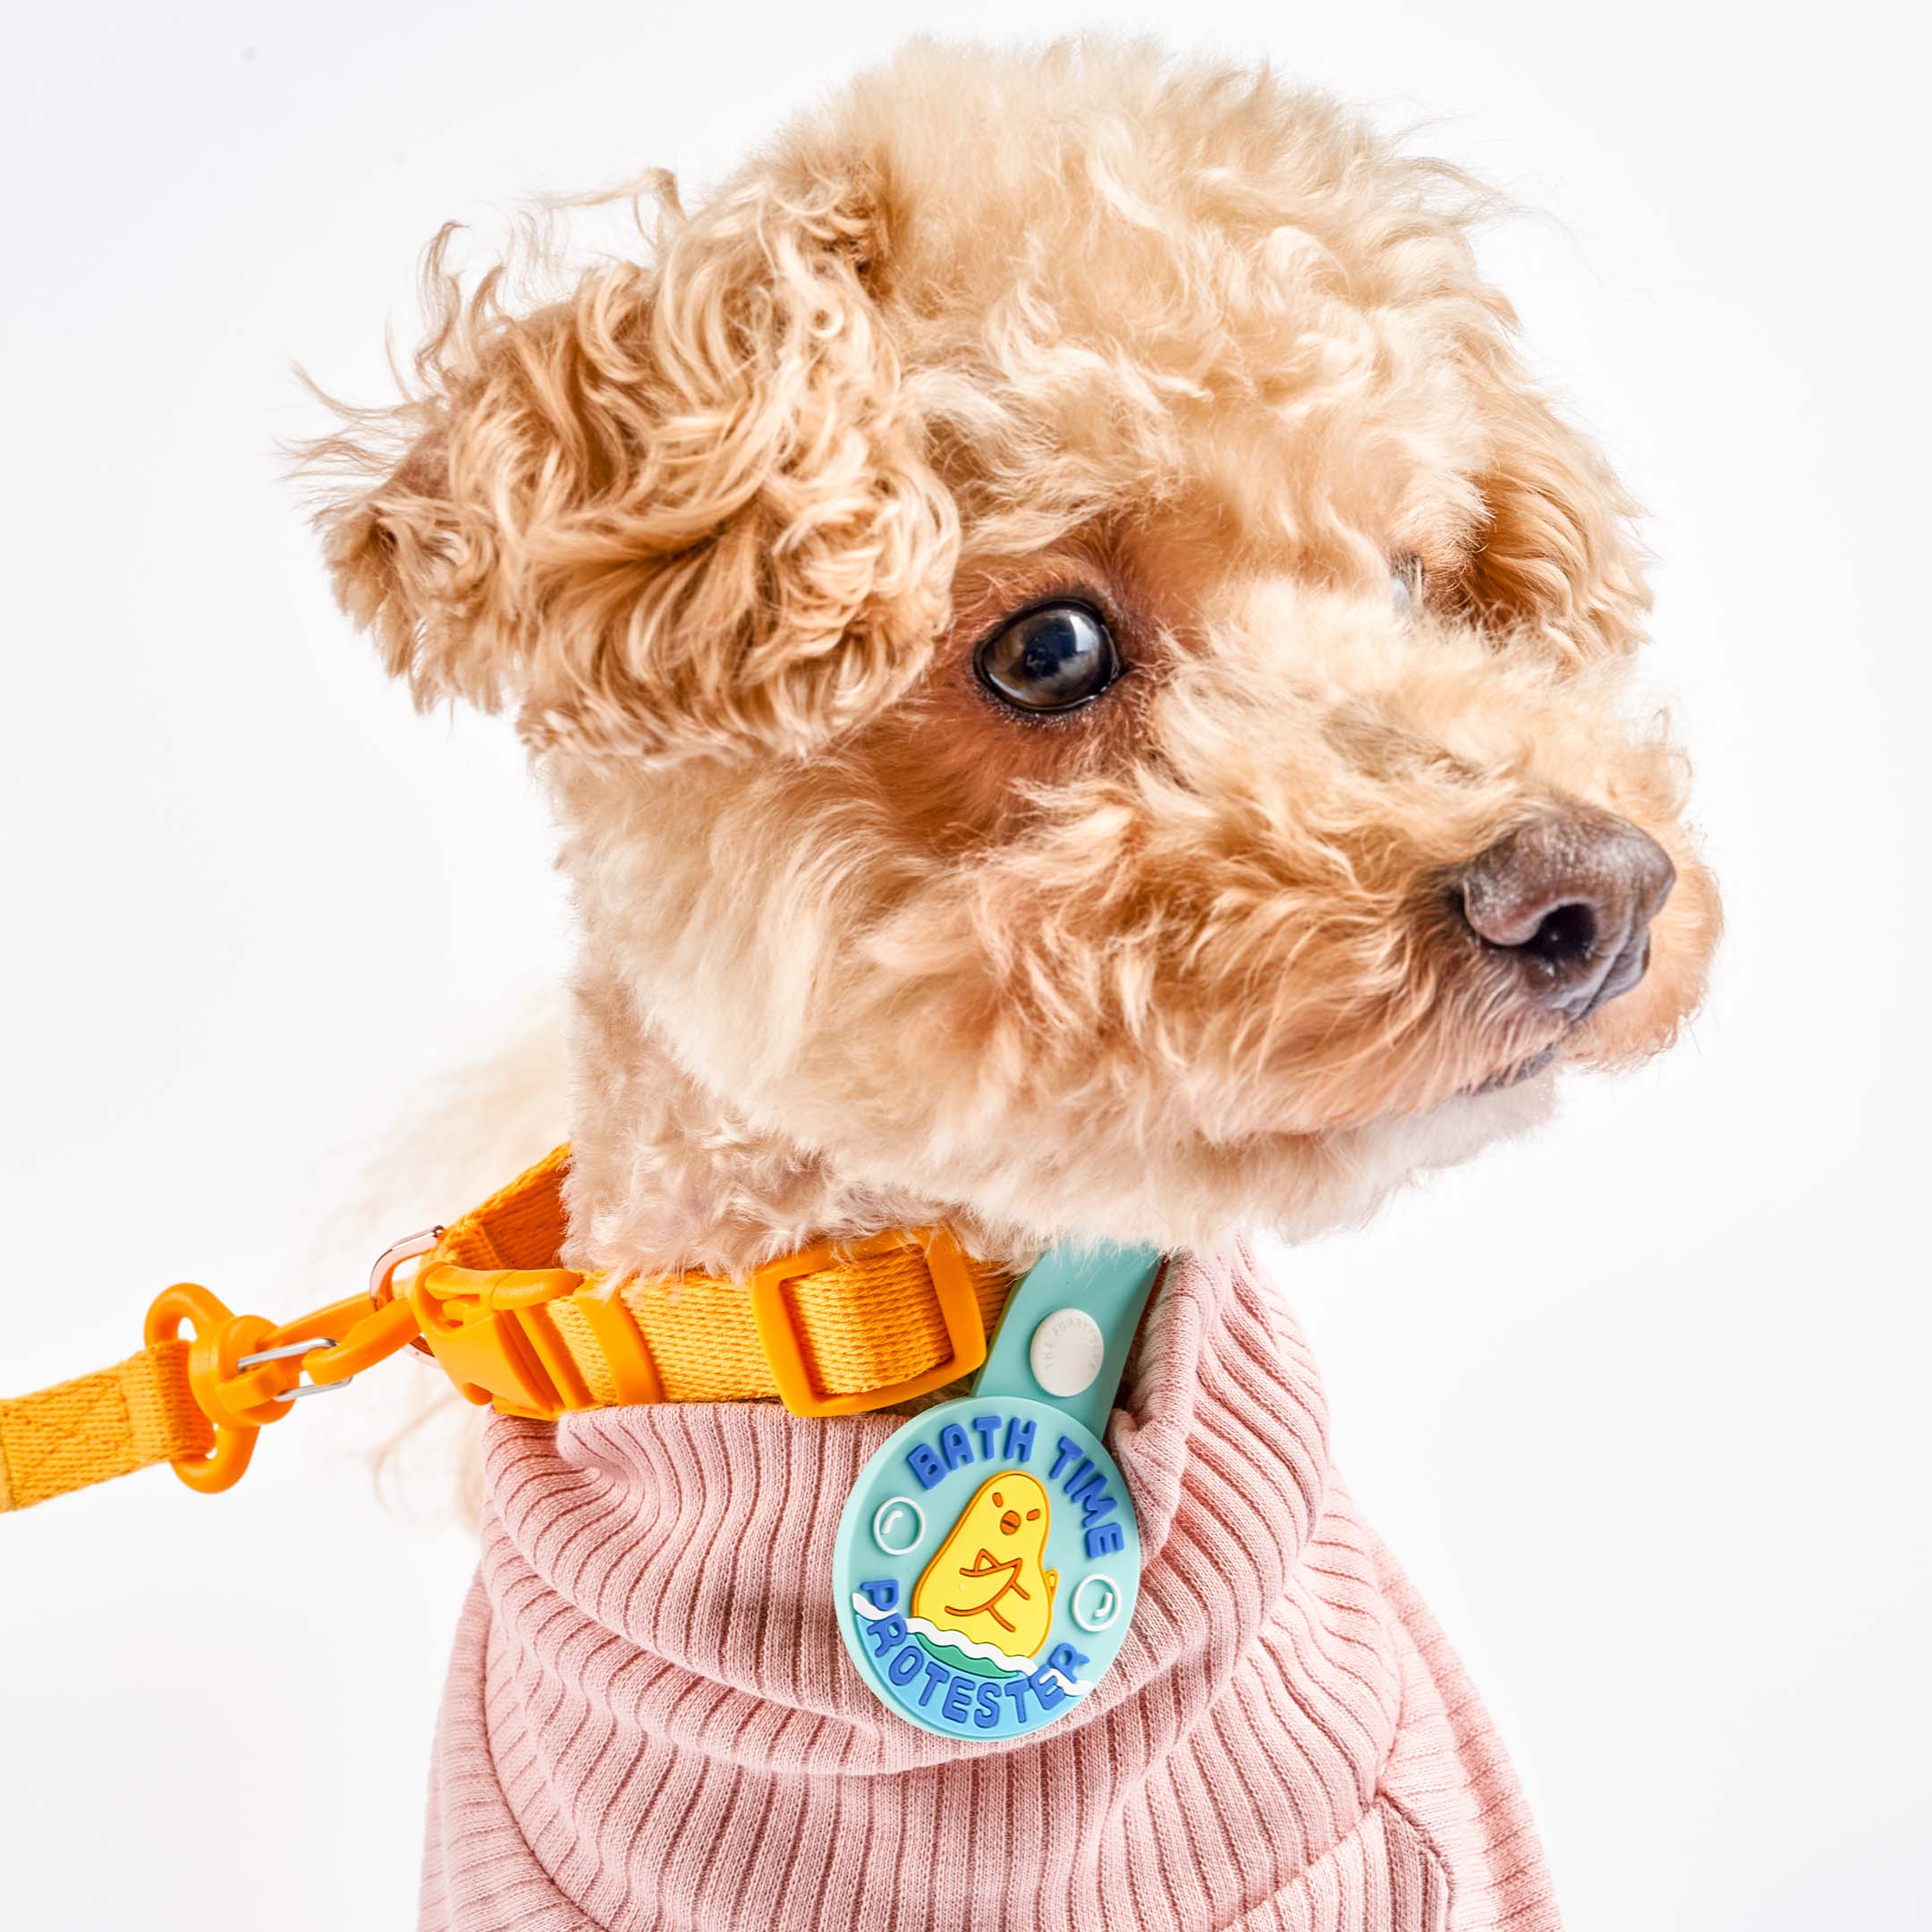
(1568, 901)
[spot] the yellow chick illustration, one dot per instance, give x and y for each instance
(989, 1579)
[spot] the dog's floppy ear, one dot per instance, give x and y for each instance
(684, 509)
(1557, 556)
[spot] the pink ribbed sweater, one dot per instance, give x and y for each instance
(650, 1721)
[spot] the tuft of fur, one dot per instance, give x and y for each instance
(680, 511)
(725, 523)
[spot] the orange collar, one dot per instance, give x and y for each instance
(833, 1330)
(829, 1330)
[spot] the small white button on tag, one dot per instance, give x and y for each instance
(1066, 1352)
(897, 1525)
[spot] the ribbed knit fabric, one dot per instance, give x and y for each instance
(650, 1721)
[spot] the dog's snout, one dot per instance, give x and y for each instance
(1568, 901)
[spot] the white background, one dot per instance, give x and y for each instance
(1641, 1404)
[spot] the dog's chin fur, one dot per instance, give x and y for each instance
(666, 1177)
(862, 947)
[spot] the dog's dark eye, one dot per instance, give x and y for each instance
(1405, 583)
(1049, 658)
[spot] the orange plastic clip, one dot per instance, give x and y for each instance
(488, 1330)
(245, 1371)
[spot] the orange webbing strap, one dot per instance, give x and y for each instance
(99, 1426)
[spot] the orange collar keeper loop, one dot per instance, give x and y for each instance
(832, 1330)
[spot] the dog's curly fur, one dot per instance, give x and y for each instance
(725, 524)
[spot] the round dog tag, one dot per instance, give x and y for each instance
(987, 1560)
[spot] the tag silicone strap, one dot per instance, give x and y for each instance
(1109, 1285)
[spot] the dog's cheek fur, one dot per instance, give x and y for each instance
(1205, 986)
(682, 511)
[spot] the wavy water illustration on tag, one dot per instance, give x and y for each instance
(965, 1648)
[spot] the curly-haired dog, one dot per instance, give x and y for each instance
(1086, 688)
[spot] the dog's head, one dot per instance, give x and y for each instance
(1084, 682)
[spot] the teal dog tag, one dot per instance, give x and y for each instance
(987, 1560)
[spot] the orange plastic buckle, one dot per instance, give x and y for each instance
(490, 1332)
(778, 1335)
(245, 1372)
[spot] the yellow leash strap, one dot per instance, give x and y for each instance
(828, 1331)
(111, 1423)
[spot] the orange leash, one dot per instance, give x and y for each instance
(827, 1330)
